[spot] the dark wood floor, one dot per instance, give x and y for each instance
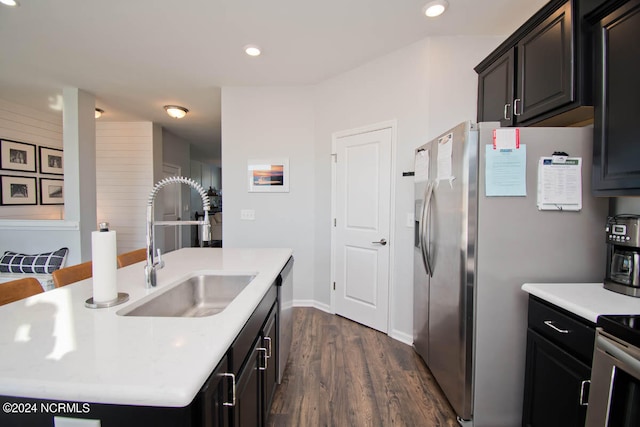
(341, 373)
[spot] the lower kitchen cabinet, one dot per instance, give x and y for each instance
(554, 381)
(250, 374)
(247, 411)
(558, 367)
(256, 381)
(269, 342)
(214, 398)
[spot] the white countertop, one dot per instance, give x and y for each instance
(53, 347)
(587, 300)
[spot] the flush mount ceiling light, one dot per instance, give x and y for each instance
(176, 111)
(9, 2)
(435, 8)
(99, 113)
(252, 50)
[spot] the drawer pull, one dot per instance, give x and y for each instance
(265, 358)
(515, 107)
(268, 339)
(506, 111)
(582, 393)
(550, 324)
(233, 388)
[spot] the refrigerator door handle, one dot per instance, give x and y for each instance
(424, 238)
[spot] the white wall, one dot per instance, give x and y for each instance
(271, 123)
(427, 87)
(124, 178)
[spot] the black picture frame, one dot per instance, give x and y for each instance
(18, 190)
(51, 191)
(17, 156)
(51, 161)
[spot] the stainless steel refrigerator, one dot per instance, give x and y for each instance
(473, 253)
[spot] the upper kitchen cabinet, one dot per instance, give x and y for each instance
(541, 74)
(495, 90)
(616, 148)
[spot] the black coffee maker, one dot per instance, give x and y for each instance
(623, 254)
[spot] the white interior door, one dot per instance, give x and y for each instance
(362, 223)
(171, 203)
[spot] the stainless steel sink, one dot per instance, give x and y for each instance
(198, 296)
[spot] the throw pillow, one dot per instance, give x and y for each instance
(45, 263)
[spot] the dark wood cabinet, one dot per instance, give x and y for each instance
(250, 360)
(542, 73)
(256, 380)
(554, 381)
(216, 396)
(558, 367)
(247, 411)
(616, 155)
(495, 90)
(545, 66)
(270, 374)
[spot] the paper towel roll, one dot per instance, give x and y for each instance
(105, 266)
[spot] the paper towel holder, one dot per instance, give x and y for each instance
(122, 297)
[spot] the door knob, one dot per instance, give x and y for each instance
(381, 242)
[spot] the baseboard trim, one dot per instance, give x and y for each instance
(402, 337)
(312, 303)
(395, 334)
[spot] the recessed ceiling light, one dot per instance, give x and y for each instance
(99, 113)
(435, 8)
(9, 2)
(252, 50)
(176, 111)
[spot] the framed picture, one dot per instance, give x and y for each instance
(51, 191)
(51, 161)
(17, 156)
(268, 176)
(18, 190)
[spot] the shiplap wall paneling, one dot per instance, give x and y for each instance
(124, 178)
(40, 128)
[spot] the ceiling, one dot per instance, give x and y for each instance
(136, 56)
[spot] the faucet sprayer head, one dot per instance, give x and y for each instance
(206, 204)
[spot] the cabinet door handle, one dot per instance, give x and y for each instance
(506, 111)
(233, 389)
(550, 324)
(515, 106)
(582, 393)
(263, 368)
(268, 339)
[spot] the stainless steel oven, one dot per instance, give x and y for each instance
(614, 398)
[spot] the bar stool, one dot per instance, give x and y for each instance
(132, 257)
(18, 289)
(72, 274)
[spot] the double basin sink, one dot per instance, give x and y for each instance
(200, 295)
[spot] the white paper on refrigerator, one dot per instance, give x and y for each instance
(560, 183)
(505, 171)
(445, 152)
(421, 167)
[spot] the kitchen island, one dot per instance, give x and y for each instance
(53, 347)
